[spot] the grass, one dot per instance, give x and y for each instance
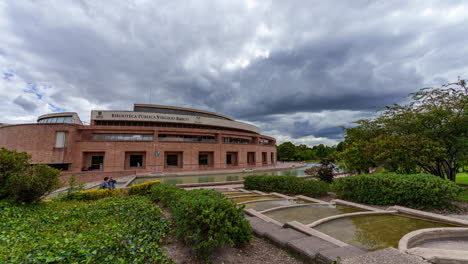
(462, 178)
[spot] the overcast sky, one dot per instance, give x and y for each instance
(296, 69)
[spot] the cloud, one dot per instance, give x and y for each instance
(297, 69)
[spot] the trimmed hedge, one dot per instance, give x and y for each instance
(96, 194)
(204, 219)
(413, 190)
(111, 230)
(142, 188)
(286, 184)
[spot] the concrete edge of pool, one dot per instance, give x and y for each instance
(322, 248)
(409, 244)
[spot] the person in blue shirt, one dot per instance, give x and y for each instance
(111, 183)
(105, 184)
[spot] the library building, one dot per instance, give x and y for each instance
(151, 138)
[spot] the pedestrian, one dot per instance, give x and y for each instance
(105, 184)
(112, 183)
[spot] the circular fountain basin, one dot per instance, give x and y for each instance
(309, 213)
(438, 245)
(264, 205)
(373, 232)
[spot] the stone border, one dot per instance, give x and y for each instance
(430, 216)
(334, 217)
(259, 192)
(290, 206)
(312, 232)
(352, 204)
(436, 255)
(281, 195)
(413, 238)
(261, 200)
(265, 218)
(244, 196)
(302, 197)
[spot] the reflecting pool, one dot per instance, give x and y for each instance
(310, 213)
(373, 232)
(264, 205)
(298, 172)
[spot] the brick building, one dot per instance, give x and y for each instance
(151, 138)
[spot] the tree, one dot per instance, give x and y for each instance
(23, 182)
(429, 134)
(286, 151)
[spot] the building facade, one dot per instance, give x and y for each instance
(151, 138)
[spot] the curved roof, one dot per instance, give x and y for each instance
(75, 118)
(177, 110)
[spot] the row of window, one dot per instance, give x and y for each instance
(95, 161)
(162, 124)
(60, 119)
(61, 138)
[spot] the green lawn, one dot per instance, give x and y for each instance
(462, 178)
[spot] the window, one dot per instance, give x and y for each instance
(264, 158)
(97, 162)
(236, 140)
(186, 138)
(251, 158)
(173, 159)
(263, 141)
(231, 158)
(123, 137)
(60, 119)
(203, 159)
(136, 161)
(60, 139)
(272, 157)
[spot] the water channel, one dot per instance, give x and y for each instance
(298, 172)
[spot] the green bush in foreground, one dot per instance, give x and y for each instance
(286, 184)
(22, 181)
(413, 190)
(204, 219)
(111, 230)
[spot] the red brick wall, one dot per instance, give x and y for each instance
(39, 141)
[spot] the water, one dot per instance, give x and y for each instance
(309, 214)
(373, 232)
(298, 172)
(264, 205)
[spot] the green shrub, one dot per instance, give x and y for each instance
(111, 230)
(32, 183)
(166, 194)
(413, 190)
(286, 184)
(142, 188)
(23, 182)
(95, 194)
(204, 219)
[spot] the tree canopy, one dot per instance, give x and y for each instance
(429, 134)
(287, 151)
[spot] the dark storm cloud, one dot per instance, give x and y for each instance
(297, 69)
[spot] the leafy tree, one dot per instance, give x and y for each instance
(21, 181)
(286, 151)
(429, 134)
